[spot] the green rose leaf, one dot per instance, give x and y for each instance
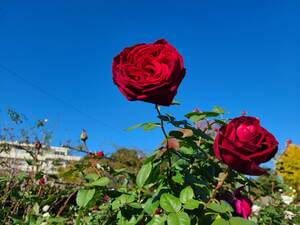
(192, 204)
(147, 126)
(187, 150)
(150, 158)
(103, 181)
(122, 200)
(240, 221)
(135, 205)
(143, 174)
(195, 116)
(92, 176)
(134, 127)
(150, 206)
(178, 219)
(186, 194)
(170, 203)
(218, 109)
(150, 126)
(84, 196)
(157, 220)
(220, 221)
(178, 178)
(121, 219)
(223, 207)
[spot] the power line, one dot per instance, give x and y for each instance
(62, 101)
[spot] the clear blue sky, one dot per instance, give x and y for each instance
(241, 55)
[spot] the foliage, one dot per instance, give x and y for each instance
(288, 166)
(269, 204)
(123, 161)
(179, 183)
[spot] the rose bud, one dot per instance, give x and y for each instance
(243, 144)
(83, 135)
(100, 154)
(196, 109)
(37, 145)
(149, 72)
(241, 204)
(158, 211)
(173, 143)
(242, 207)
(288, 142)
(95, 208)
(243, 113)
(105, 198)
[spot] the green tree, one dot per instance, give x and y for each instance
(288, 166)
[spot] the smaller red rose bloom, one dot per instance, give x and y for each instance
(241, 204)
(242, 207)
(100, 154)
(42, 181)
(149, 72)
(243, 144)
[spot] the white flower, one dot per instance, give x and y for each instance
(280, 190)
(288, 215)
(256, 209)
(287, 199)
(45, 208)
(46, 214)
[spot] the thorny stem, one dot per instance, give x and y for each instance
(90, 157)
(166, 136)
(219, 185)
(161, 122)
(65, 204)
(86, 148)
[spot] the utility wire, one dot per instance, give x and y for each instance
(62, 101)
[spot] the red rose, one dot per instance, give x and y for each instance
(242, 207)
(243, 144)
(149, 72)
(42, 181)
(100, 154)
(241, 204)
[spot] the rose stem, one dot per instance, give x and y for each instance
(90, 156)
(219, 185)
(165, 134)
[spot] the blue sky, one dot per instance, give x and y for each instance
(241, 55)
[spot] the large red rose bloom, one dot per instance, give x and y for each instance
(149, 72)
(243, 144)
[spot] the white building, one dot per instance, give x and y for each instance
(19, 156)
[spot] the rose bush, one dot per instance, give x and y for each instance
(196, 176)
(243, 144)
(149, 72)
